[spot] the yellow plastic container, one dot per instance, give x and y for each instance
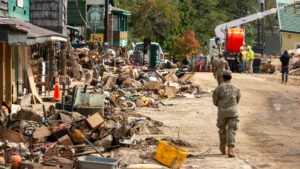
(170, 155)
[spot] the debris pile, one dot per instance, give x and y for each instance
(272, 64)
(101, 107)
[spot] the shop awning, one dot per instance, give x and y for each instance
(21, 32)
(115, 10)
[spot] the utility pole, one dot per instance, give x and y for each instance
(261, 29)
(106, 21)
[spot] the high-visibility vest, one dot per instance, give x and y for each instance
(243, 56)
(250, 55)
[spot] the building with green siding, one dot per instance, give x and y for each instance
(89, 15)
(289, 26)
(19, 9)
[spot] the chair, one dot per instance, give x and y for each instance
(39, 83)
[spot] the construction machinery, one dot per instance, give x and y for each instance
(230, 38)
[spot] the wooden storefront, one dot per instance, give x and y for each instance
(16, 40)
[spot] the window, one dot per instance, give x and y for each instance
(122, 26)
(297, 45)
(20, 3)
(126, 23)
(116, 23)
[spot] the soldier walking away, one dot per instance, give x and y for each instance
(219, 66)
(226, 97)
(250, 59)
(285, 62)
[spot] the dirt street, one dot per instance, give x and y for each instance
(268, 135)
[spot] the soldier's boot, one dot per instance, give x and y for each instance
(231, 152)
(223, 149)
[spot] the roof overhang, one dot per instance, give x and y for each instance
(285, 31)
(17, 32)
(120, 11)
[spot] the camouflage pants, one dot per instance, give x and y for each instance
(227, 129)
(219, 78)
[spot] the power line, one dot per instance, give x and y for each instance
(199, 11)
(218, 9)
(85, 23)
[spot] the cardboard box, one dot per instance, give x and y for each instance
(94, 121)
(153, 85)
(128, 82)
(170, 91)
(171, 77)
(65, 140)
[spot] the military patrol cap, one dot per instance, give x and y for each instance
(227, 73)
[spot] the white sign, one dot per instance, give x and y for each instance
(20, 3)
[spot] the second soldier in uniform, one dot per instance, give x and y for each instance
(219, 66)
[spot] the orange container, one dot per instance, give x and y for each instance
(235, 39)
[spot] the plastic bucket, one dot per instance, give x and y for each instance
(91, 162)
(235, 39)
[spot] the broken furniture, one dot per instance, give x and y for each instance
(42, 80)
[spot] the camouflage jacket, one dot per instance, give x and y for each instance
(219, 66)
(226, 97)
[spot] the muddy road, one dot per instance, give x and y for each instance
(269, 128)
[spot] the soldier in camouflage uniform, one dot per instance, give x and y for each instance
(219, 66)
(226, 96)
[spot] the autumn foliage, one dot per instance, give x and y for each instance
(187, 44)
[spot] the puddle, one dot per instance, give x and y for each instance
(277, 107)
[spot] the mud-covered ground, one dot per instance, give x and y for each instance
(269, 128)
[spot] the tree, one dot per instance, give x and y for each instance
(186, 45)
(155, 19)
(164, 21)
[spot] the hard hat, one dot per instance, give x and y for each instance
(248, 47)
(242, 48)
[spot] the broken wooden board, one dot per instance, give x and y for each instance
(41, 132)
(33, 87)
(13, 78)
(186, 77)
(111, 81)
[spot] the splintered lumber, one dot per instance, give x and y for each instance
(32, 86)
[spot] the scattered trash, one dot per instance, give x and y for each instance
(91, 116)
